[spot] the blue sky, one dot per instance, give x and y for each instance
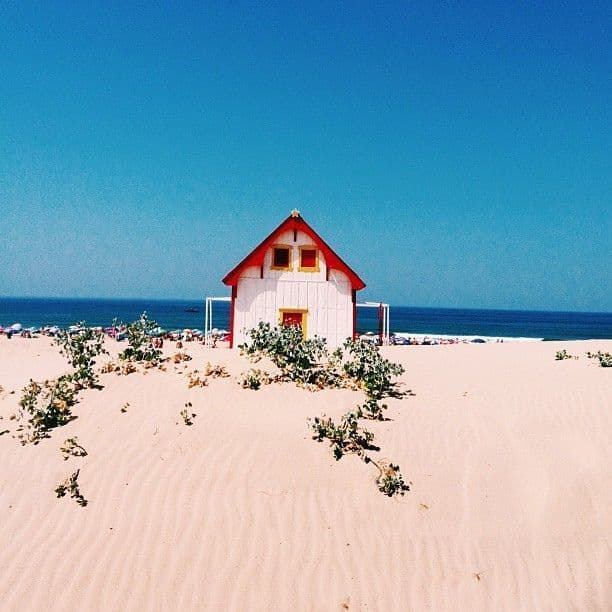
(453, 154)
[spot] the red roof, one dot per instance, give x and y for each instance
(294, 222)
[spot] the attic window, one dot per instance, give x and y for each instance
(281, 257)
(309, 259)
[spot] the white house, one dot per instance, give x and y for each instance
(294, 277)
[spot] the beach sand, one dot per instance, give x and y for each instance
(510, 508)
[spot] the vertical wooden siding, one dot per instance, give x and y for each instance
(329, 303)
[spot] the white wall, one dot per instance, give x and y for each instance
(329, 303)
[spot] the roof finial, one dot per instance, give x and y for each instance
(295, 212)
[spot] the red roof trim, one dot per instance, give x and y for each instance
(256, 257)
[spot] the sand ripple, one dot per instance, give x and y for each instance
(510, 507)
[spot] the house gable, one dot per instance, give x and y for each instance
(293, 233)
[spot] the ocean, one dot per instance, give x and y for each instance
(454, 322)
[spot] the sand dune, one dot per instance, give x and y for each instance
(510, 508)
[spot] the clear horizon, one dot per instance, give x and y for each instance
(455, 156)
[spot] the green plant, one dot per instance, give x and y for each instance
(390, 480)
(372, 410)
(253, 379)
(72, 448)
(370, 370)
(373, 373)
(47, 406)
(140, 346)
(605, 359)
(346, 437)
(81, 349)
(71, 485)
(308, 363)
(561, 355)
(187, 415)
(298, 359)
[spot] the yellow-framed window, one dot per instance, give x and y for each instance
(294, 316)
(281, 257)
(309, 259)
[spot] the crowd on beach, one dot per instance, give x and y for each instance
(433, 340)
(16, 329)
(116, 332)
(425, 340)
(159, 335)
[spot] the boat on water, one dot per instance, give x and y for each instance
(192, 309)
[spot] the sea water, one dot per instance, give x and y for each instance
(434, 322)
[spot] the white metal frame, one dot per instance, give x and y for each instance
(208, 318)
(385, 320)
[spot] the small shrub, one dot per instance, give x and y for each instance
(374, 374)
(47, 405)
(71, 486)
(561, 355)
(346, 437)
(81, 349)
(327, 375)
(187, 415)
(140, 346)
(390, 481)
(194, 380)
(298, 360)
(109, 366)
(127, 368)
(210, 371)
(253, 379)
(30, 396)
(215, 371)
(370, 370)
(371, 409)
(121, 369)
(72, 448)
(605, 359)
